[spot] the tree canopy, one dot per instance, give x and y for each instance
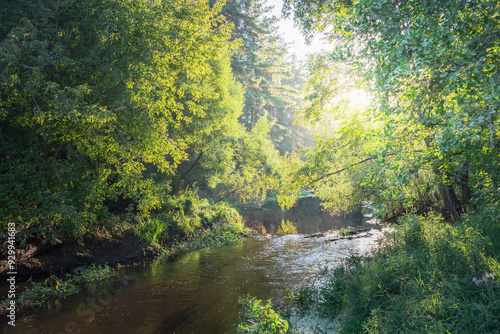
(113, 106)
(432, 70)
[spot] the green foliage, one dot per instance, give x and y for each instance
(262, 65)
(345, 232)
(221, 233)
(151, 231)
(286, 227)
(255, 167)
(259, 318)
(91, 275)
(426, 277)
(332, 167)
(41, 295)
(432, 70)
(194, 221)
(111, 108)
(91, 92)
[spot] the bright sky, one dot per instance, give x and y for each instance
(295, 41)
(296, 45)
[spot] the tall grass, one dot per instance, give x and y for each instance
(427, 277)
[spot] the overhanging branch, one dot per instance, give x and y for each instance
(352, 165)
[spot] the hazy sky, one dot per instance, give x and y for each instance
(292, 34)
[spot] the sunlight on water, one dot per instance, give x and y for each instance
(195, 293)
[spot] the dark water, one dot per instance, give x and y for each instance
(195, 293)
(307, 215)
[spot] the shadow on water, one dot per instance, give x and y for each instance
(306, 215)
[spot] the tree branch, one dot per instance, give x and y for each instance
(341, 170)
(195, 163)
(352, 165)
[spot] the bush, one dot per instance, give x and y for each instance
(189, 218)
(427, 277)
(286, 227)
(261, 319)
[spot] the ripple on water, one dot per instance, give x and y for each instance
(198, 292)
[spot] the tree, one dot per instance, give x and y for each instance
(91, 97)
(433, 68)
(332, 166)
(260, 63)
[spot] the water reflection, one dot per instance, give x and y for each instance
(306, 215)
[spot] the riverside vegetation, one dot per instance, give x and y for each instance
(42, 295)
(189, 224)
(427, 276)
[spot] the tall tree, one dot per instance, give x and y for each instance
(260, 62)
(272, 79)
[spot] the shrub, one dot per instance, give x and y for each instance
(286, 227)
(188, 218)
(261, 319)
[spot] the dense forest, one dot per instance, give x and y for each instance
(159, 117)
(122, 108)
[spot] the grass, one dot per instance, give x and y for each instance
(41, 295)
(427, 277)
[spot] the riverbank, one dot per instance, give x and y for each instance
(39, 260)
(203, 225)
(427, 276)
(126, 239)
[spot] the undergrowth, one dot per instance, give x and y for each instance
(286, 227)
(260, 318)
(41, 295)
(188, 218)
(428, 276)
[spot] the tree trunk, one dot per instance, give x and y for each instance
(195, 163)
(464, 180)
(447, 192)
(449, 199)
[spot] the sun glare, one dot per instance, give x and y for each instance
(358, 97)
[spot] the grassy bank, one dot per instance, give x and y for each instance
(428, 276)
(42, 294)
(189, 222)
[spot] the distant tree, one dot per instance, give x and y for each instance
(270, 77)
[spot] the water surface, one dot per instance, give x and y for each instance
(195, 293)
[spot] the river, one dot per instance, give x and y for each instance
(194, 293)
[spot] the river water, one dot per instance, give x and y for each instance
(196, 292)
